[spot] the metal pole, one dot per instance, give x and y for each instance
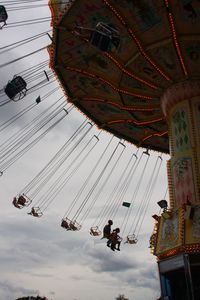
(188, 278)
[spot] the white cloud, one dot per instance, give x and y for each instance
(8, 291)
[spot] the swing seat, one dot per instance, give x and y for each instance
(24, 200)
(106, 235)
(107, 29)
(101, 41)
(21, 201)
(104, 37)
(131, 239)
(115, 238)
(119, 239)
(74, 226)
(36, 212)
(65, 224)
(3, 16)
(95, 231)
(16, 88)
(110, 31)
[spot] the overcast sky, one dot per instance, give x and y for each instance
(36, 255)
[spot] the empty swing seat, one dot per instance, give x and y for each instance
(101, 41)
(21, 201)
(16, 88)
(23, 198)
(65, 224)
(103, 36)
(74, 226)
(110, 31)
(131, 239)
(3, 16)
(95, 231)
(36, 212)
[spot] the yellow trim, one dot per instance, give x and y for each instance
(170, 185)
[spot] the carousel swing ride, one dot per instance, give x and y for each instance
(132, 67)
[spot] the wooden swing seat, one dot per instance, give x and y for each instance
(16, 88)
(65, 224)
(24, 200)
(102, 36)
(131, 239)
(21, 201)
(3, 16)
(36, 212)
(95, 231)
(74, 226)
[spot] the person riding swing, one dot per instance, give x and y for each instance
(107, 229)
(114, 240)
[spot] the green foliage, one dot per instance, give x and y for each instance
(32, 298)
(121, 297)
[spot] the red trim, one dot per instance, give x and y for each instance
(135, 122)
(121, 67)
(88, 74)
(193, 248)
(155, 134)
(131, 32)
(122, 107)
(174, 36)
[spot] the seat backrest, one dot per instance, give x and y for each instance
(15, 86)
(3, 14)
(100, 41)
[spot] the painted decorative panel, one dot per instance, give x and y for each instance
(183, 179)
(169, 235)
(193, 227)
(180, 131)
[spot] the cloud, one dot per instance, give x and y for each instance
(144, 276)
(43, 252)
(103, 260)
(52, 293)
(8, 291)
(29, 244)
(124, 268)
